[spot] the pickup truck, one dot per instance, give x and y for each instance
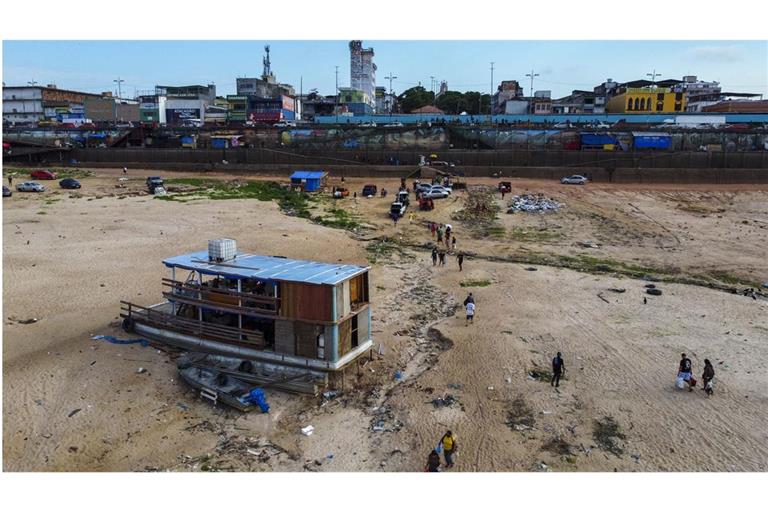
(397, 210)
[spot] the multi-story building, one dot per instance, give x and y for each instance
(542, 103)
(271, 110)
(602, 93)
(108, 108)
(152, 108)
(186, 104)
(646, 99)
(31, 104)
(362, 71)
(508, 90)
(355, 101)
(237, 108)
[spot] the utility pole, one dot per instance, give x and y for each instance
(119, 82)
(390, 78)
(432, 84)
(32, 83)
(337, 95)
(490, 100)
(530, 100)
(653, 76)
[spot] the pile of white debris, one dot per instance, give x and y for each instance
(532, 203)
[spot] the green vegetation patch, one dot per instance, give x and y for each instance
(383, 249)
(608, 436)
(534, 235)
(475, 283)
(337, 218)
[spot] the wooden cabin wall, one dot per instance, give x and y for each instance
(285, 340)
(339, 301)
(306, 301)
(345, 337)
(346, 305)
(306, 338)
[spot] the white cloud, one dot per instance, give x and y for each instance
(717, 53)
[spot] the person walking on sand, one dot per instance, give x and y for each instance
(125, 170)
(440, 234)
(558, 367)
(460, 259)
(433, 228)
(394, 219)
(449, 447)
(434, 256)
(10, 181)
(470, 313)
(433, 462)
(453, 243)
(469, 299)
(707, 378)
(685, 371)
(441, 255)
(410, 218)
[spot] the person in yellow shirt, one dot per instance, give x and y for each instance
(449, 447)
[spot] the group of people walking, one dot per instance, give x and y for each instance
(685, 375)
(444, 235)
(446, 445)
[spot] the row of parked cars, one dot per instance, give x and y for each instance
(41, 174)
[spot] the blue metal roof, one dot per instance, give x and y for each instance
(307, 175)
(255, 266)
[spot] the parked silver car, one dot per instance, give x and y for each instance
(436, 192)
(575, 179)
(30, 186)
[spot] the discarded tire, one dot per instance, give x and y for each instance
(128, 324)
(650, 286)
(653, 291)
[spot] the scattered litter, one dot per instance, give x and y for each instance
(531, 269)
(398, 376)
(39, 401)
(454, 386)
(182, 406)
(308, 430)
(330, 394)
(653, 291)
(257, 397)
(490, 388)
(650, 286)
(765, 284)
(329, 456)
(508, 380)
(141, 370)
(636, 456)
(600, 295)
(532, 203)
(617, 290)
(73, 413)
(252, 451)
(546, 412)
(446, 401)
(543, 466)
(29, 321)
(589, 245)
(118, 341)
(521, 427)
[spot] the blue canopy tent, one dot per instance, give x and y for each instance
(310, 181)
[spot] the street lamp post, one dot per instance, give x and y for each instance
(532, 75)
(390, 78)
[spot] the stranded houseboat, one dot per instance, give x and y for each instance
(274, 315)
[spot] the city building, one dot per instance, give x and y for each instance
(355, 101)
(271, 110)
(508, 90)
(362, 71)
(739, 106)
(152, 108)
(31, 104)
(186, 104)
(108, 108)
(541, 103)
(647, 98)
(265, 87)
(385, 101)
(237, 108)
(602, 93)
(313, 104)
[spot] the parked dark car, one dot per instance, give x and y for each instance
(369, 190)
(154, 182)
(7, 192)
(42, 174)
(69, 183)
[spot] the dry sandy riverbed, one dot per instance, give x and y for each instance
(86, 253)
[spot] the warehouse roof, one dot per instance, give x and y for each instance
(307, 175)
(255, 266)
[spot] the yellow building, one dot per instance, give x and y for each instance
(646, 99)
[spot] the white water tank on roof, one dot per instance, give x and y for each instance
(222, 249)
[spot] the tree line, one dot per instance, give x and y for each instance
(450, 102)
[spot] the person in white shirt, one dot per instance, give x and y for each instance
(470, 313)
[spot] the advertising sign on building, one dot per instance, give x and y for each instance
(182, 114)
(289, 103)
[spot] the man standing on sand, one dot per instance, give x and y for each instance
(10, 181)
(441, 255)
(470, 313)
(125, 170)
(434, 256)
(685, 371)
(394, 219)
(449, 447)
(410, 218)
(558, 367)
(469, 299)
(460, 258)
(433, 228)
(708, 377)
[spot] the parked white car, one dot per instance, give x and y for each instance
(575, 179)
(436, 192)
(30, 186)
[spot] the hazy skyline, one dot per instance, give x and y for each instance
(91, 66)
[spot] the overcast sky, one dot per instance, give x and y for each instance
(740, 66)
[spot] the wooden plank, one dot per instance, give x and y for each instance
(345, 337)
(306, 339)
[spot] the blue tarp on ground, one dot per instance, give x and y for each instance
(653, 140)
(597, 139)
(118, 341)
